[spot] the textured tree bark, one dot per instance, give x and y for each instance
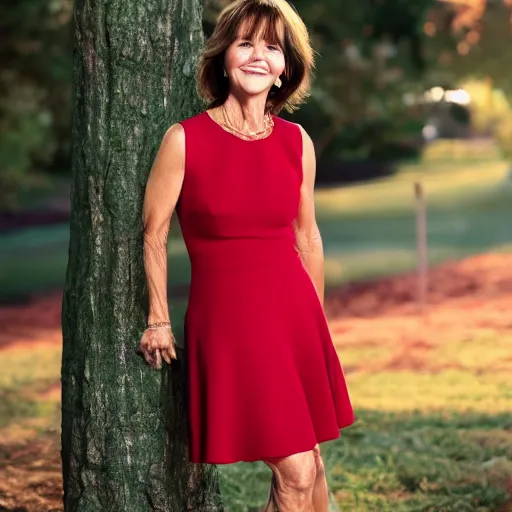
(124, 439)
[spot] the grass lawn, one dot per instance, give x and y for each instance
(368, 230)
(435, 439)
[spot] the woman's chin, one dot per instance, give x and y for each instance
(254, 90)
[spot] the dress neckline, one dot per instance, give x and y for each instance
(236, 136)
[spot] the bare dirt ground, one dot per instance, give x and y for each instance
(463, 296)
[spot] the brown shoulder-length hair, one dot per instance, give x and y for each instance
(281, 25)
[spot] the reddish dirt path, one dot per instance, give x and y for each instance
(472, 282)
(36, 321)
(463, 297)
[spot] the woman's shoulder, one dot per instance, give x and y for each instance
(284, 123)
(291, 126)
(293, 132)
(193, 120)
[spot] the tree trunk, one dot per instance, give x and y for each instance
(124, 438)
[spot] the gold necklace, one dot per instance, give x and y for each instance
(268, 121)
(228, 125)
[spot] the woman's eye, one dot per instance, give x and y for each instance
(272, 47)
(245, 43)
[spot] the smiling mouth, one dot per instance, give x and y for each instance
(252, 72)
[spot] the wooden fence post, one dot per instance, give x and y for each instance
(422, 247)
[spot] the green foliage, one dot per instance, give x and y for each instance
(401, 21)
(459, 113)
(34, 90)
(381, 139)
(483, 70)
(26, 138)
(504, 135)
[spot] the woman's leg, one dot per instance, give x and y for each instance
(320, 489)
(293, 481)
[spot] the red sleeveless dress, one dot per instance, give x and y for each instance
(263, 377)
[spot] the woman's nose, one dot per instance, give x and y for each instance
(257, 53)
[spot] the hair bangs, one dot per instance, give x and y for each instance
(264, 20)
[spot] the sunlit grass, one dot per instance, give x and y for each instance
(342, 266)
(437, 438)
(433, 438)
(26, 374)
(484, 353)
(25, 365)
(369, 230)
(406, 462)
(355, 355)
(455, 183)
(454, 390)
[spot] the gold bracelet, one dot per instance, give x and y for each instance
(155, 325)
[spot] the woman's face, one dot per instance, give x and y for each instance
(253, 64)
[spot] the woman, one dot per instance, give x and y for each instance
(264, 380)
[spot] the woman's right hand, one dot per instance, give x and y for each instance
(158, 343)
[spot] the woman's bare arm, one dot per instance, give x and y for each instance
(162, 191)
(307, 235)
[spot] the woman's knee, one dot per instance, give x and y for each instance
(319, 463)
(296, 472)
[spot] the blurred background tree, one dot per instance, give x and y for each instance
(375, 61)
(35, 82)
(365, 64)
(467, 44)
